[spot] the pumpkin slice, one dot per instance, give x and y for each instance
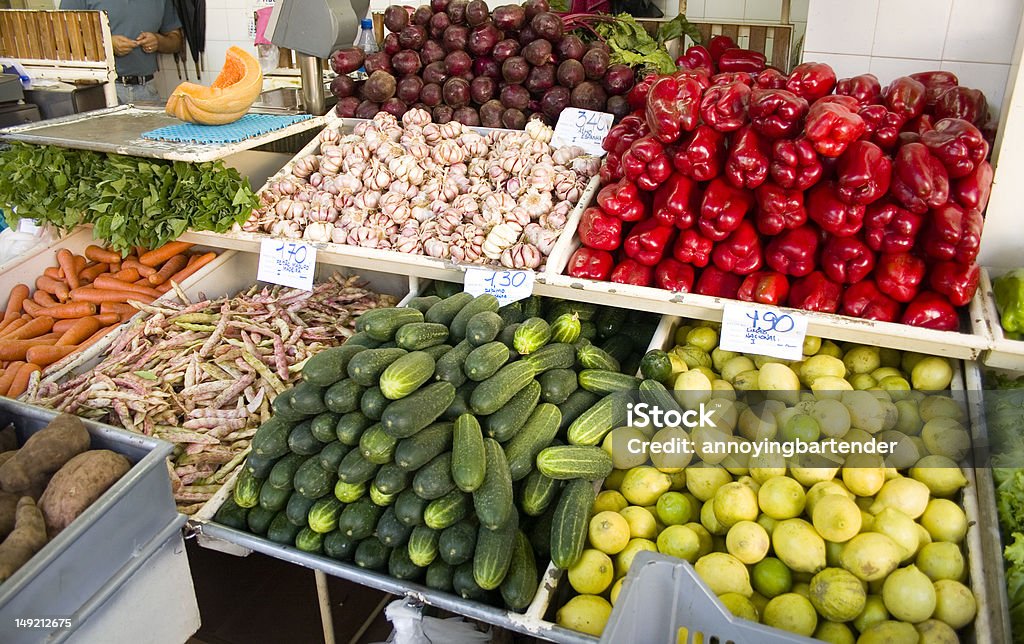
(227, 99)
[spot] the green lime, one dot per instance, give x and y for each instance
(801, 427)
(656, 365)
(771, 577)
(674, 508)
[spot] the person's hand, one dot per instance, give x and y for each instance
(148, 41)
(123, 45)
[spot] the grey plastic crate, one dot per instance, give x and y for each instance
(72, 568)
(662, 595)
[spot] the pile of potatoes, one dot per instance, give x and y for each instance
(46, 483)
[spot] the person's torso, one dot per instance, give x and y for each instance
(129, 18)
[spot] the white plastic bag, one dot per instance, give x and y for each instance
(27, 237)
(411, 627)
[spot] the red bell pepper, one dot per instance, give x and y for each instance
(919, 180)
(777, 113)
(673, 275)
(622, 200)
(891, 229)
(623, 134)
(913, 129)
(702, 156)
(740, 253)
(693, 248)
(749, 159)
(703, 79)
(952, 233)
(899, 275)
(935, 83)
(723, 209)
(646, 163)
(795, 165)
(764, 287)
(724, 107)
(677, 202)
(794, 252)
(825, 208)
(905, 96)
(611, 169)
(958, 282)
(673, 106)
(718, 283)
(718, 45)
(637, 97)
(727, 78)
(958, 145)
(811, 81)
(831, 127)
(848, 102)
(847, 260)
(865, 88)
(778, 209)
(591, 264)
(881, 126)
(741, 60)
(815, 292)
(601, 231)
(770, 78)
(864, 300)
(931, 311)
(697, 58)
(962, 103)
(630, 271)
(863, 173)
(973, 190)
(648, 241)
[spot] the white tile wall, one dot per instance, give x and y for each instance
(845, 65)
(854, 23)
(911, 28)
(763, 10)
(724, 9)
(982, 31)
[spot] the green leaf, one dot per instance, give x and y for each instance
(677, 28)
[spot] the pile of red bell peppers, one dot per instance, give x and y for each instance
(734, 180)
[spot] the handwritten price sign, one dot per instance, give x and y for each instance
(507, 286)
(584, 128)
(287, 263)
(763, 330)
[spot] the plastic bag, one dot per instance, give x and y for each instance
(23, 239)
(411, 627)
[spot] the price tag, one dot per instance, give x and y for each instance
(287, 263)
(584, 128)
(28, 226)
(763, 330)
(507, 286)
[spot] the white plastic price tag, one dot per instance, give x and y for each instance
(763, 330)
(28, 226)
(507, 286)
(287, 263)
(584, 128)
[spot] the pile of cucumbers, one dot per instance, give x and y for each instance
(432, 445)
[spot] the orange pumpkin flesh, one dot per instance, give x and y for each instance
(227, 99)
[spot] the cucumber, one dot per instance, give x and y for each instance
(343, 397)
(533, 306)
(445, 289)
(460, 405)
(610, 321)
(540, 532)
(355, 469)
(351, 426)
(391, 479)
(508, 335)
(282, 408)
(434, 479)
(381, 324)
(381, 499)
(405, 417)
(457, 543)
(520, 584)
(307, 398)
(585, 311)
(468, 454)
(338, 546)
(531, 335)
(449, 367)
(409, 508)
(480, 304)
(281, 530)
(557, 385)
(493, 499)
(437, 351)
(439, 576)
(592, 425)
(493, 554)
(323, 427)
(392, 532)
(377, 446)
(271, 439)
(350, 492)
(330, 365)
(371, 554)
(503, 424)
(483, 328)
(567, 462)
(444, 312)
(587, 330)
(538, 432)
(566, 328)
(620, 347)
(247, 490)
(511, 313)
(447, 510)
(569, 523)
(492, 394)
(423, 303)
(331, 455)
(416, 451)
(591, 357)
(401, 566)
(657, 395)
(405, 375)
(362, 340)
(557, 355)
(323, 516)
(259, 519)
(308, 540)
(607, 382)
(373, 402)
(578, 402)
(537, 493)
(358, 520)
(366, 366)
(274, 499)
(259, 466)
(422, 545)
(301, 440)
(284, 471)
(313, 481)
(485, 360)
(298, 509)
(465, 586)
(656, 365)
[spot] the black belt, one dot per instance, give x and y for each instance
(134, 80)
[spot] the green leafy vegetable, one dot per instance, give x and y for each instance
(677, 28)
(129, 201)
(631, 45)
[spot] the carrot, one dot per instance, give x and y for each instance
(80, 330)
(144, 271)
(42, 298)
(18, 295)
(108, 281)
(12, 327)
(76, 309)
(16, 349)
(170, 267)
(32, 309)
(7, 378)
(33, 329)
(66, 261)
(117, 307)
(189, 270)
(89, 274)
(102, 255)
(8, 319)
(127, 275)
(53, 287)
(46, 356)
(54, 272)
(160, 255)
(115, 267)
(98, 296)
(95, 337)
(21, 379)
(102, 319)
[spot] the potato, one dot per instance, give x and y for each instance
(43, 454)
(8, 439)
(6, 456)
(78, 484)
(8, 508)
(28, 538)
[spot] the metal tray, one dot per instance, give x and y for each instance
(69, 570)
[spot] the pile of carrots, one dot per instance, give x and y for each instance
(81, 300)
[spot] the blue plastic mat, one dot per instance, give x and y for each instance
(244, 128)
